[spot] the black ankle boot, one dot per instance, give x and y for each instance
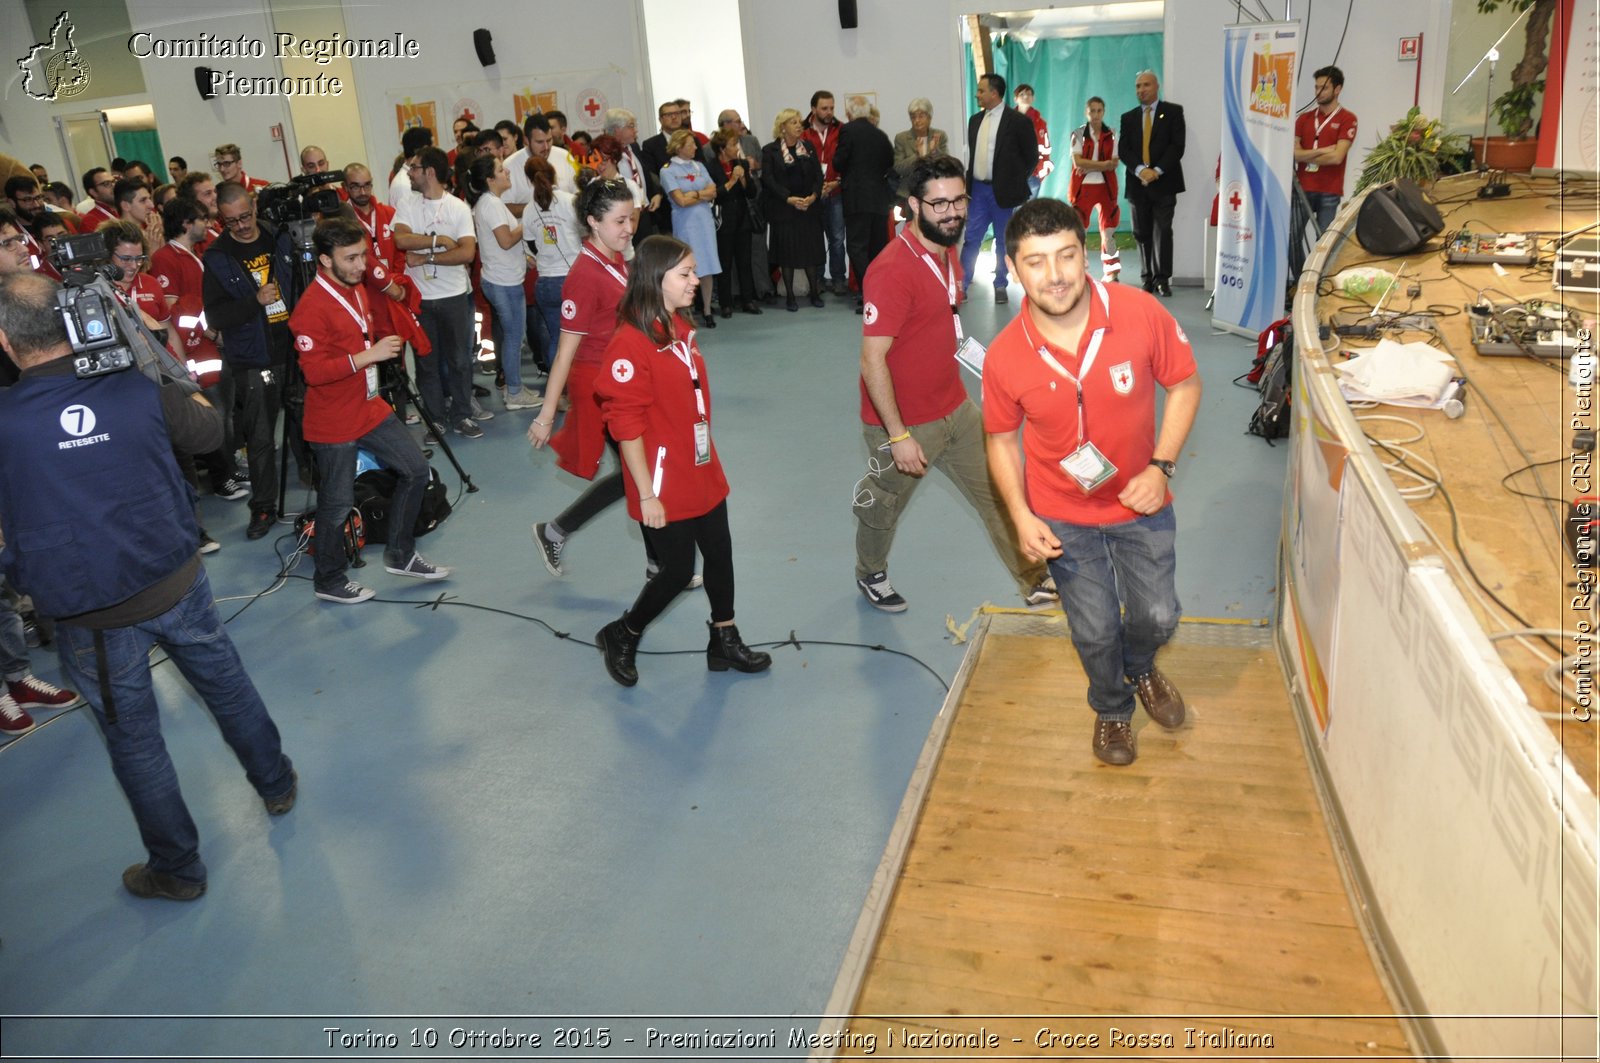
(619, 645)
(727, 650)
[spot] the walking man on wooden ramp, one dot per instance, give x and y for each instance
(1095, 502)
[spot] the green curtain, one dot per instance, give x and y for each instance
(1064, 73)
(144, 145)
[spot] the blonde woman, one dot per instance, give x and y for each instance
(791, 177)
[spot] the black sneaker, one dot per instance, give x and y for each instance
(208, 545)
(261, 522)
(277, 806)
(549, 549)
(418, 567)
(1043, 595)
(233, 489)
(877, 590)
(469, 428)
(142, 882)
(352, 593)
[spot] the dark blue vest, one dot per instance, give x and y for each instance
(91, 500)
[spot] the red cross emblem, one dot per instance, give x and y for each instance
(591, 106)
(1234, 201)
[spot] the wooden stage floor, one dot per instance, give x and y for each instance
(1059, 904)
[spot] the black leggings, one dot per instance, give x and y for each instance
(675, 546)
(601, 495)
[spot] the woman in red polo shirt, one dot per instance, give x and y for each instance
(656, 402)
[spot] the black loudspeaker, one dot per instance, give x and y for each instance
(482, 41)
(847, 14)
(1397, 218)
(202, 81)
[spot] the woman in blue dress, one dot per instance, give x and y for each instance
(688, 184)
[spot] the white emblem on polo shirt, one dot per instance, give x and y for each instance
(1184, 336)
(569, 309)
(303, 342)
(869, 314)
(622, 370)
(1122, 377)
(161, 278)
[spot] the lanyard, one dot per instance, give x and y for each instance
(360, 317)
(1087, 363)
(947, 280)
(633, 167)
(191, 254)
(621, 278)
(1318, 134)
(684, 352)
(372, 230)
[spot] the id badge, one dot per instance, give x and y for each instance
(372, 381)
(1312, 167)
(971, 354)
(1088, 467)
(702, 443)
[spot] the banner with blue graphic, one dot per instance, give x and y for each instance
(1257, 168)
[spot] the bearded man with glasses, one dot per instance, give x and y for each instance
(915, 411)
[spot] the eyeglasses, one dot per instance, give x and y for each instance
(357, 186)
(220, 163)
(9, 242)
(942, 206)
(35, 198)
(132, 260)
(240, 222)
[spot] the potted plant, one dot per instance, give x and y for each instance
(1417, 148)
(1513, 109)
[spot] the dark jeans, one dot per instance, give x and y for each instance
(833, 229)
(1152, 229)
(192, 635)
(1324, 205)
(733, 248)
(394, 449)
(547, 295)
(448, 369)
(675, 546)
(867, 234)
(603, 493)
(259, 393)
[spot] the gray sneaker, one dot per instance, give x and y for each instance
(352, 593)
(549, 549)
(469, 428)
(479, 413)
(526, 399)
(418, 567)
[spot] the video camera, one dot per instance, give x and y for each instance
(106, 336)
(294, 205)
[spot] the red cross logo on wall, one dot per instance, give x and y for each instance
(592, 104)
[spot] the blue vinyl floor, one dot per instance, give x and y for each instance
(487, 824)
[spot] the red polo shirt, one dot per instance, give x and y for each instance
(1140, 346)
(907, 292)
(1341, 125)
(326, 337)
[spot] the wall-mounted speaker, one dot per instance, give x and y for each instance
(202, 81)
(1397, 218)
(484, 43)
(847, 14)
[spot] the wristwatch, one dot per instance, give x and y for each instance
(1168, 468)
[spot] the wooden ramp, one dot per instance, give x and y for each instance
(1047, 905)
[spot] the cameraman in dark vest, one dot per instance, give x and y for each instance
(99, 528)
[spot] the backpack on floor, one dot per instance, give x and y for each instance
(375, 493)
(1271, 375)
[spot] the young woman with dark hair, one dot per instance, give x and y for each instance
(656, 401)
(503, 265)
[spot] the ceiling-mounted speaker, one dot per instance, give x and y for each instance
(202, 81)
(484, 43)
(847, 14)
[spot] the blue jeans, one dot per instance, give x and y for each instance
(981, 216)
(448, 324)
(833, 229)
(394, 448)
(547, 295)
(1118, 589)
(14, 662)
(1324, 205)
(510, 325)
(192, 635)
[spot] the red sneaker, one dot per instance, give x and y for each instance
(13, 721)
(32, 692)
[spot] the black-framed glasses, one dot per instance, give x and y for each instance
(220, 163)
(240, 222)
(942, 206)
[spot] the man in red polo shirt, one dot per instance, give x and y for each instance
(99, 183)
(1322, 139)
(230, 164)
(336, 339)
(914, 408)
(1077, 371)
(376, 218)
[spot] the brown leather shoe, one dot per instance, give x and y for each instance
(1113, 741)
(1160, 699)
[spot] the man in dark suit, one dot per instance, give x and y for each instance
(1151, 145)
(654, 154)
(1002, 152)
(864, 160)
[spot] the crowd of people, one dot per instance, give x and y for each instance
(605, 255)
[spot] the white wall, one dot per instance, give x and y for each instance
(530, 36)
(697, 54)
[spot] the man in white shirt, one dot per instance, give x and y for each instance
(412, 141)
(435, 230)
(537, 144)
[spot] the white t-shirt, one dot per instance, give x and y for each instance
(553, 234)
(445, 216)
(400, 188)
(521, 191)
(501, 265)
